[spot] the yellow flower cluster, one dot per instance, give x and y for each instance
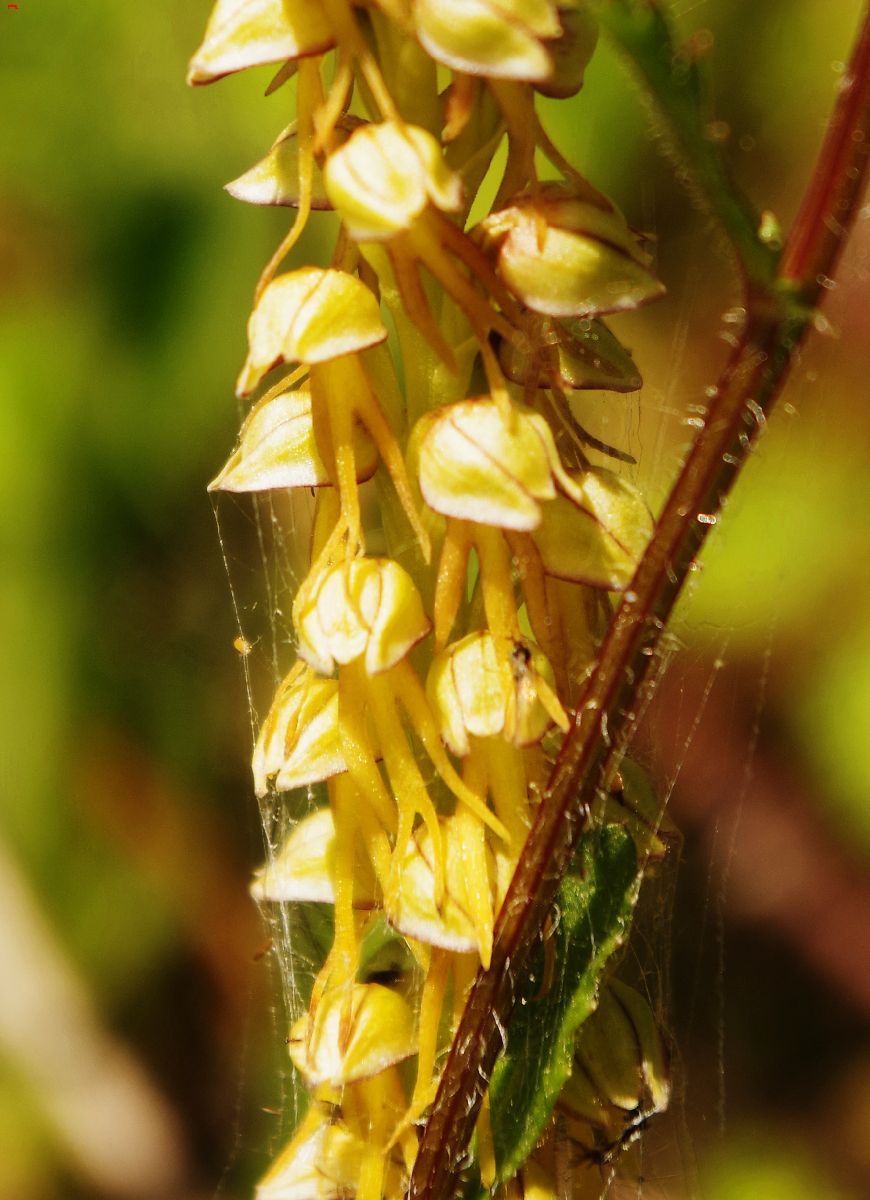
(436, 361)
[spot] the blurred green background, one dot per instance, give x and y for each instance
(140, 1035)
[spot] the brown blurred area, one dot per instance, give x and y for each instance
(141, 1032)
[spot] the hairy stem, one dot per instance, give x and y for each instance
(780, 313)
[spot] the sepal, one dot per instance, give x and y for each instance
(303, 870)
(251, 33)
(384, 176)
(309, 316)
(278, 449)
(576, 353)
(299, 742)
(501, 39)
(473, 695)
(412, 907)
(274, 180)
(480, 464)
(596, 535)
(567, 255)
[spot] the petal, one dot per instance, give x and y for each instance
(248, 33)
(380, 1033)
(479, 465)
(310, 315)
(598, 537)
(277, 449)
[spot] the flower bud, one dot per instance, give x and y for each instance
(598, 534)
(366, 607)
(299, 741)
(472, 695)
(634, 805)
(250, 33)
(496, 38)
(379, 1033)
(565, 255)
(278, 449)
(621, 1064)
(384, 176)
(478, 464)
(304, 867)
(310, 316)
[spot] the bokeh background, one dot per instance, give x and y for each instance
(140, 1034)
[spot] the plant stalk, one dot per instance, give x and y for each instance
(779, 317)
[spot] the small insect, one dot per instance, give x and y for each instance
(521, 656)
(242, 645)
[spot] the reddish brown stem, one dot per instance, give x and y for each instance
(627, 667)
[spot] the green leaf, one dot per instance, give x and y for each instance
(673, 74)
(591, 919)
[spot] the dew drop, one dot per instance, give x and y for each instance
(707, 518)
(735, 316)
(717, 131)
